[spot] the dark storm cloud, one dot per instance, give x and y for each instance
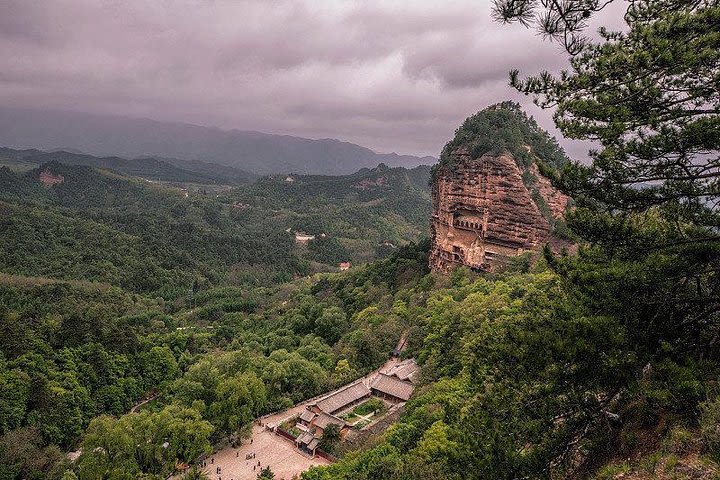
(390, 75)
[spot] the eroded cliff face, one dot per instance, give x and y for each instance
(484, 214)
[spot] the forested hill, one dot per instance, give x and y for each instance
(361, 216)
(132, 137)
(168, 170)
(505, 128)
(90, 224)
(73, 354)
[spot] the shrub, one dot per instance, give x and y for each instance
(650, 463)
(609, 472)
(710, 426)
(671, 462)
(680, 441)
(372, 405)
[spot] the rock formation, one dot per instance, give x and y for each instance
(489, 209)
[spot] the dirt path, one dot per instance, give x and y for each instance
(402, 343)
(140, 404)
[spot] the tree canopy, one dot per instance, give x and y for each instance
(650, 199)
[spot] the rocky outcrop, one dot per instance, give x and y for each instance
(484, 213)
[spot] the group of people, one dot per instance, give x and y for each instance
(249, 456)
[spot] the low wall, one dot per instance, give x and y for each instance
(365, 438)
(284, 433)
(326, 456)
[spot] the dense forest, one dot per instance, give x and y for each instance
(356, 217)
(602, 364)
(77, 356)
(140, 327)
(115, 289)
(506, 128)
(98, 225)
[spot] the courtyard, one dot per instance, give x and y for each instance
(267, 448)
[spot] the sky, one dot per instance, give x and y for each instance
(391, 75)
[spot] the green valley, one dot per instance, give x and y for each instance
(527, 307)
(169, 238)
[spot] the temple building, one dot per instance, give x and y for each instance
(396, 384)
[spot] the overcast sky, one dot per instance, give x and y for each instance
(390, 75)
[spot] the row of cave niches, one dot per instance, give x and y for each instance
(457, 256)
(467, 225)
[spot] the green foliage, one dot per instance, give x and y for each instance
(492, 352)
(142, 442)
(328, 250)
(610, 472)
(681, 441)
(215, 368)
(23, 455)
(80, 352)
(504, 128)
(647, 97)
(649, 275)
(362, 216)
(372, 405)
(648, 201)
(649, 198)
(331, 324)
(195, 474)
(710, 426)
(330, 438)
(69, 475)
(266, 474)
(97, 226)
(239, 400)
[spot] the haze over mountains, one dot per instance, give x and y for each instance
(150, 168)
(132, 137)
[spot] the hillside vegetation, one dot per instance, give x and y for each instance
(98, 225)
(605, 365)
(522, 379)
(599, 364)
(362, 216)
(75, 358)
(505, 128)
(156, 169)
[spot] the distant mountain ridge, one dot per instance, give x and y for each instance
(168, 170)
(247, 150)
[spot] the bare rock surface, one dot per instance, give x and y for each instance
(484, 214)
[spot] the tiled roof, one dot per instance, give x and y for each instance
(393, 386)
(323, 420)
(404, 370)
(342, 398)
(307, 416)
(305, 438)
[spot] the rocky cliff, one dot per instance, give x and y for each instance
(490, 201)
